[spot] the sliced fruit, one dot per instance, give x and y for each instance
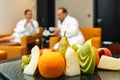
(32, 66)
(109, 63)
(87, 58)
(72, 63)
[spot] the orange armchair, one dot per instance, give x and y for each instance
(89, 33)
(18, 51)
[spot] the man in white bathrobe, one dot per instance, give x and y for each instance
(25, 27)
(70, 25)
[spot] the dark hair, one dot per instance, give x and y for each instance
(27, 10)
(63, 9)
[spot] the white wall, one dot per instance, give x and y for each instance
(80, 9)
(11, 11)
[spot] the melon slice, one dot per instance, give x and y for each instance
(109, 63)
(72, 63)
(87, 58)
(32, 66)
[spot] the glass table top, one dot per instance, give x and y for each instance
(11, 70)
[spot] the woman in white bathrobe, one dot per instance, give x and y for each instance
(70, 25)
(25, 27)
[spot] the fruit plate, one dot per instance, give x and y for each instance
(12, 71)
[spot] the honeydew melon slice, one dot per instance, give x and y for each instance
(72, 63)
(32, 66)
(87, 58)
(90, 67)
(109, 63)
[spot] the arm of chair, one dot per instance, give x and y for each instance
(27, 39)
(53, 41)
(13, 51)
(96, 41)
(18, 51)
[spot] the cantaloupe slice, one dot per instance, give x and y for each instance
(109, 63)
(32, 66)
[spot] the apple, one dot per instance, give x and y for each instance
(42, 51)
(104, 51)
(54, 50)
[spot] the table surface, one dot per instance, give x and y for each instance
(11, 70)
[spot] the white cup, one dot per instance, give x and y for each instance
(51, 29)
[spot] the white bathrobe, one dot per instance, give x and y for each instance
(22, 30)
(71, 26)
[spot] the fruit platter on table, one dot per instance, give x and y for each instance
(68, 60)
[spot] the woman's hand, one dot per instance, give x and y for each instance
(29, 21)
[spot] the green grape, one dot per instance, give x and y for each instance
(23, 66)
(25, 59)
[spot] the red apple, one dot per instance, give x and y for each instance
(42, 51)
(54, 50)
(104, 51)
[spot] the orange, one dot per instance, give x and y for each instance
(51, 65)
(96, 55)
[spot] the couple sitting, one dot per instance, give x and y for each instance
(28, 26)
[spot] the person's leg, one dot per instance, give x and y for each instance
(9, 43)
(7, 38)
(6, 41)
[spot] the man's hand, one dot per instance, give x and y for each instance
(56, 31)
